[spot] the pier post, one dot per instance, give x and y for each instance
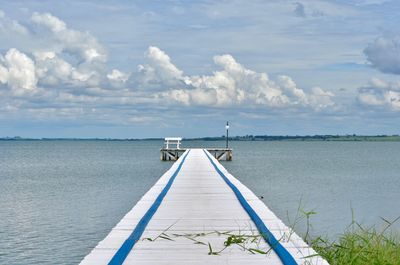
(227, 134)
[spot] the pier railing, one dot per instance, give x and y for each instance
(173, 154)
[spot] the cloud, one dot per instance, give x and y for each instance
(17, 71)
(380, 94)
(9, 26)
(49, 21)
(72, 41)
(233, 85)
(71, 72)
(118, 76)
(71, 61)
(158, 73)
(52, 70)
(299, 10)
(384, 54)
(162, 64)
(314, 10)
(71, 58)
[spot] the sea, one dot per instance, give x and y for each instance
(59, 198)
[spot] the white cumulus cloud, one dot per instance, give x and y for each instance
(72, 41)
(17, 70)
(51, 69)
(380, 93)
(71, 72)
(158, 72)
(232, 85)
(69, 58)
(118, 76)
(53, 23)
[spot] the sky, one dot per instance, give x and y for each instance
(139, 69)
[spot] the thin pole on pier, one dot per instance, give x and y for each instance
(227, 133)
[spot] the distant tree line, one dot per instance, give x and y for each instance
(327, 137)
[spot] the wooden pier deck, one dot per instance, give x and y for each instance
(198, 213)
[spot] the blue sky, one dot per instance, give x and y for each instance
(125, 69)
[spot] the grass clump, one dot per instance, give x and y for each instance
(249, 243)
(360, 245)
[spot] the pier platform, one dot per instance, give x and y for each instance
(198, 213)
(173, 154)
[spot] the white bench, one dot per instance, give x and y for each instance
(174, 141)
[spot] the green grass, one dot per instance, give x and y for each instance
(362, 247)
(359, 245)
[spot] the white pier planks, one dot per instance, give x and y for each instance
(199, 201)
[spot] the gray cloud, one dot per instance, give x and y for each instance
(299, 10)
(384, 54)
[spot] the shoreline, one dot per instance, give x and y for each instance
(247, 138)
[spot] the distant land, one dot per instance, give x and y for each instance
(350, 137)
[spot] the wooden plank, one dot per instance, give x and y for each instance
(200, 209)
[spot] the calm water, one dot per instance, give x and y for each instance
(59, 198)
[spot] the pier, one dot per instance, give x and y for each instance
(198, 213)
(172, 150)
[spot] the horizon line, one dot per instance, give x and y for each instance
(236, 137)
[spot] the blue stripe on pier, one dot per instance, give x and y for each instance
(127, 246)
(283, 254)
